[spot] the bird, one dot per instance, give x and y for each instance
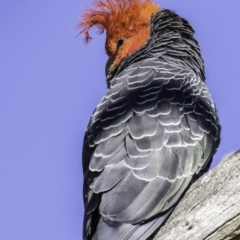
(155, 130)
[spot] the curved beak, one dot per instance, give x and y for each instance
(108, 65)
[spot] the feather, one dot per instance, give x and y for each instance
(154, 131)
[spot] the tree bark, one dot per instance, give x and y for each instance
(210, 209)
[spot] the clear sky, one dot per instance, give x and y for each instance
(51, 82)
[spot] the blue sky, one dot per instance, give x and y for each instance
(50, 83)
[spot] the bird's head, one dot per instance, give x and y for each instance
(126, 22)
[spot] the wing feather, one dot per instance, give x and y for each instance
(149, 136)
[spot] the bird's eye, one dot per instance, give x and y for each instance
(120, 42)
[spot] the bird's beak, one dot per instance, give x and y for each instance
(108, 65)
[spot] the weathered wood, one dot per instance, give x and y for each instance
(210, 209)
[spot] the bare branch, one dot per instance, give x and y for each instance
(210, 210)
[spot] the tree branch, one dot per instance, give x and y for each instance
(210, 209)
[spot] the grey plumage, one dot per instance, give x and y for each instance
(153, 133)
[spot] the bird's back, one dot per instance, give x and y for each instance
(153, 133)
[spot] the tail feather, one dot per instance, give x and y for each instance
(128, 231)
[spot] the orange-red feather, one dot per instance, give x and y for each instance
(121, 19)
(104, 14)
